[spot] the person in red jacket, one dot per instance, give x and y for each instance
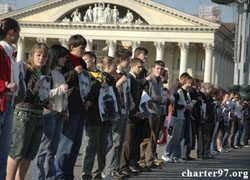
(9, 34)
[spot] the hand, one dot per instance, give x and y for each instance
(156, 98)
(78, 69)
(12, 86)
(87, 105)
(38, 85)
(188, 106)
(65, 86)
(131, 107)
(50, 106)
(139, 115)
(105, 85)
(113, 120)
(148, 78)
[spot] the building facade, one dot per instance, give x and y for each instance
(183, 41)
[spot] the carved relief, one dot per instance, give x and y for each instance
(102, 14)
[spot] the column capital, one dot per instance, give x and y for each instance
(111, 43)
(209, 47)
(159, 45)
(41, 39)
(184, 46)
(135, 44)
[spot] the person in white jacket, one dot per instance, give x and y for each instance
(43, 165)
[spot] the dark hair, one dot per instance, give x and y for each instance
(164, 72)
(122, 54)
(184, 75)
(56, 51)
(135, 61)
(186, 79)
(6, 25)
(159, 63)
(77, 40)
(195, 82)
(140, 50)
(90, 54)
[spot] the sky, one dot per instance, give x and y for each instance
(189, 6)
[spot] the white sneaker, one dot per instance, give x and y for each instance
(179, 160)
(166, 159)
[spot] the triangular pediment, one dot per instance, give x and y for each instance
(144, 11)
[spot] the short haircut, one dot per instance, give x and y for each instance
(90, 54)
(77, 40)
(164, 72)
(122, 54)
(135, 61)
(208, 85)
(140, 50)
(159, 63)
(183, 75)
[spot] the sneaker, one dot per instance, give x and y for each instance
(166, 159)
(179, 160)
(223, 150)
(154, 166)
(116, 175)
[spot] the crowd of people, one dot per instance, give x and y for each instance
(49, 134)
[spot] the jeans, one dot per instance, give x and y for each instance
(238, 135)
(114, 152)
(227, 133)
(213, 144)
(6, 124)
(44, 164)
(69, 146)
(174, 144)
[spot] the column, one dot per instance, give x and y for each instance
(223, 72)
(111, 47)
(192, 60)
(135, 44)
(20, 49)
(89, 46)
(169, 60)
(216, 67)
(213, 73)
(64, 42)
(184, 47)
(209, 48)
(220, 67)
(41, 39)
(160, 46)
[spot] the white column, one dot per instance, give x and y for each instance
(64, 42)
(208, 62)
(111, 47)
(184, 47)
(213, 73)
(160, 46)
(216, 66)
(192, 57)
(20, 49)
(170, 49)
(41, 39)
(135, 44)
(89, 46)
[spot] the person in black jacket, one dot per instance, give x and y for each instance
(71, 137)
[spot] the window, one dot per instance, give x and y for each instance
(202, 68)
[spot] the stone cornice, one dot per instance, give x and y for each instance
(118, 27)
(148, 3)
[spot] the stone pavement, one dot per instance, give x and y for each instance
(226, 166)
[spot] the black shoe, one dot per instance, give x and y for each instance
(126, 173)
(154, 166)
(205, 156)
(199, 156)
(134, 169)
(145, 169)
(116, 175)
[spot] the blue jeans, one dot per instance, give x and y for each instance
(227, 133)
(69, 146)
(213, 144)
(174, 144)
(44, 164)
(238, 135)
(6, 124)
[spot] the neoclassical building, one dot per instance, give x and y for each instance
(183, 41)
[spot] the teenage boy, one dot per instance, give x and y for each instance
(155, 87)
(132, 142)
(71, 137)
(179, 121)
(122, 59)
(95, 130)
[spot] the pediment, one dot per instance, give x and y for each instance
(143, 12)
